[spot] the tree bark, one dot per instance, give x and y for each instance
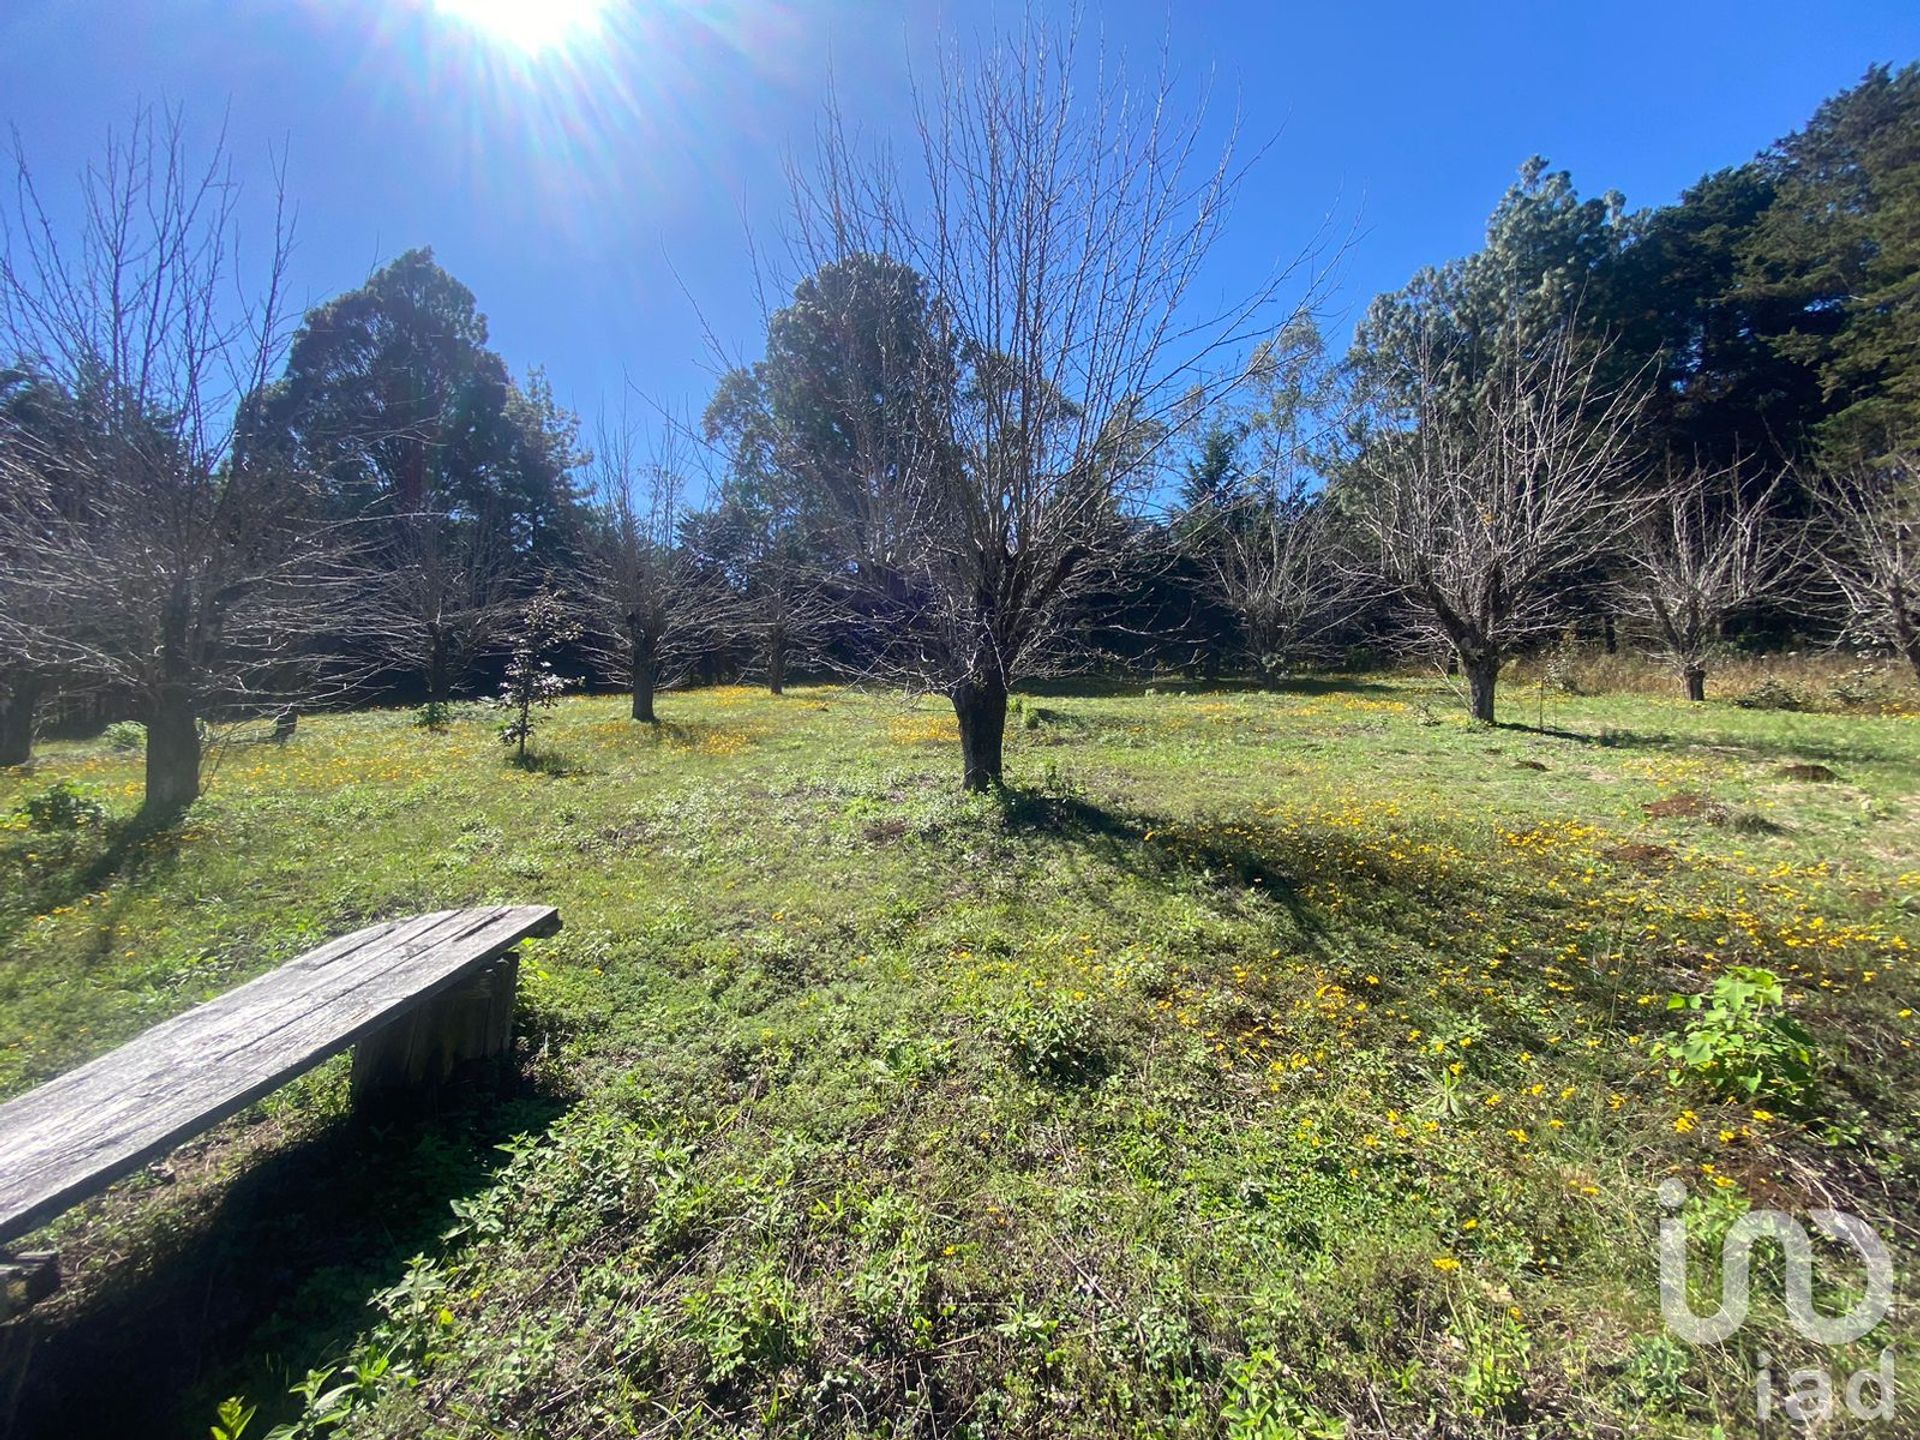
(980, 704)
(1482, 670)
(439, 680)
(173, 753)
(645, 675)
(19, 699)
(1906, 634)
(1696, 678)
(777, 662)
(1612, 638)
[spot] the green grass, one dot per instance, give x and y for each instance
(1262, 1064)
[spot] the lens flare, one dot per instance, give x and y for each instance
(529, 26)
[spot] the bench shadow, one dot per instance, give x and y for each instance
(270, 1280)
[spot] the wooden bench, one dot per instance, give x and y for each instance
(422, 999)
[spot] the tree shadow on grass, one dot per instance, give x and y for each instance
(268, 1281)
(1128, 687)
(136, 849)
(554, 764)
(1397, 911)
(1158, 847)
(1749, 747)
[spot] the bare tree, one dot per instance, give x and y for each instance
(1702, 548)
(650, 601)
(1269, 553)
(1479, 505)
(766, 539)
(1262, 529)
(1869, 548)
(986, 441)
(434, 590)
(193, 567)
(43, 501)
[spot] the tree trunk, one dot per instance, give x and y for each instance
(1696, 678)
(1482, 670)
(1905, 632)
(645, 675)
(173, 753)
(981, 707)
(777, 663)
(19, 698)
(1612, 639)
(439, 678)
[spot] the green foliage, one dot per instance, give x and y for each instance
(1498, 1349)
(1773, 694)
(126, 736)
(545, 625)
(749, 1321)
(1052, 1038)
(1840, 244)
(1656, 1373)
(1741, 1040)
(1260, 1407)
(63, 806)
(232, 1419)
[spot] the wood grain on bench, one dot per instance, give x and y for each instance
(78, 1133)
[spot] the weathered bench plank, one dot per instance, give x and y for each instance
(78, 1133)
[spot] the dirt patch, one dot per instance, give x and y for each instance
(1528, 765)
(1638, 852)
(880, 831)
(1686, 804)
(1819, 774)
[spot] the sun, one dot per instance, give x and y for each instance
(529, 26)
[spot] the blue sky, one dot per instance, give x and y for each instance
(593, 197)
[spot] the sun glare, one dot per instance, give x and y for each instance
(529, 26)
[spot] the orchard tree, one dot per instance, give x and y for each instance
(1701, 549)
(767, 537)
(183, 566)
(1480, 502)
(1257, 520)
(647, 592)
(978, 370)
(1869, 548)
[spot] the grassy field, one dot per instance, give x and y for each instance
(1264, 1065)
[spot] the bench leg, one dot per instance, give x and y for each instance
(460, 1035)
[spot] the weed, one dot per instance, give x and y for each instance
(1742, 1042)
(63, 806)
(127, 737)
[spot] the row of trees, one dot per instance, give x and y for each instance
(997, 431)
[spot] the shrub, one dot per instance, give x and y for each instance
(1772, 694)
(1865, 687)
(129, 736)
(64, 806)
(1053, 1040)
(1742, 1042)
